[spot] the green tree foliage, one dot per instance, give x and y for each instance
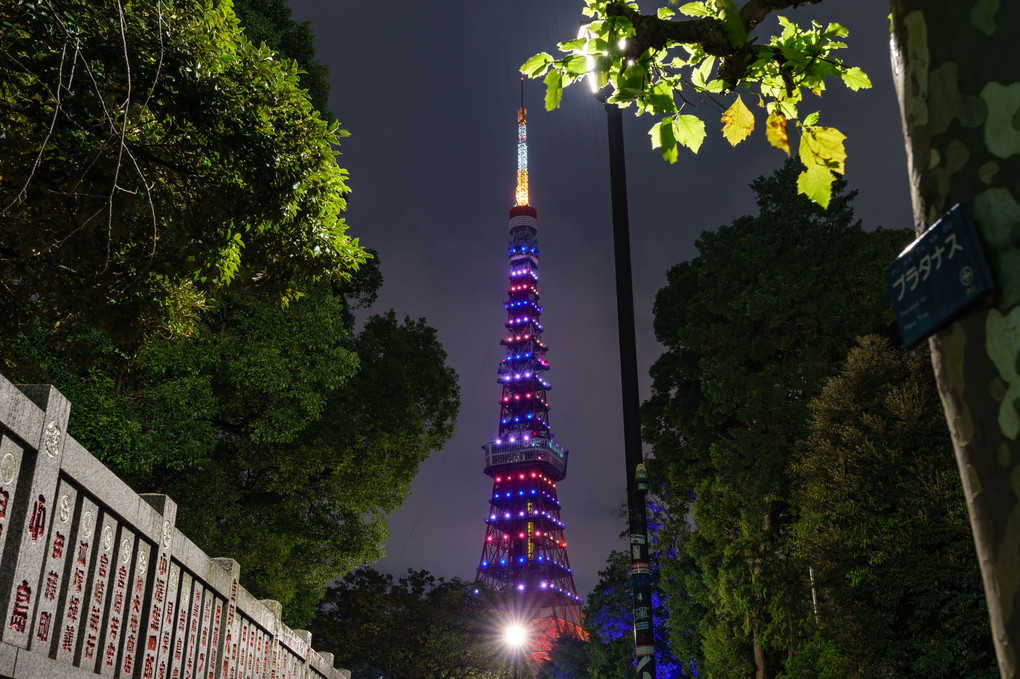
(417, 627)
(662, 64)
(752, 327)
(883, 523)
(269, 22)
(165, 185)
(153, 155)
(568, 659)
(285, 437)
(300, 501)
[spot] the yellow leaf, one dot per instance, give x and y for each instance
(775, 131)
(737, 122)
(823, 146)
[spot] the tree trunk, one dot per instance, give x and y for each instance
(957, 69)
(761, 669)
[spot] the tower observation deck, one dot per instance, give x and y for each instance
(525, 554)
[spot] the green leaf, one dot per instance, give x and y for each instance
(536, 65)
(701, 74)
(835, 30)
(822, 153)
(602, 66)
(665, 13)
(663, 139)
(816, 183)
(576, 65)
(733, 23)
(696, 9)
(630, 83)
(856, 79)
(553, 89)
(811, 119)
(738, 122)
(572, 45)
(660, 99)
(789, 28)
(689, 130)
(715, 86)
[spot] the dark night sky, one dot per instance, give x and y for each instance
(429, 92)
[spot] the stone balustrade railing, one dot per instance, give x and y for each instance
(96, 580)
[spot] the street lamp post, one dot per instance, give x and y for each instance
(637, 482)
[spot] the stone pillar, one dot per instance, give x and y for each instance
(160, 572)
(54, 574)
(193, 633)
(97, 594)
(11, 455)
(134, 630)
(113, 637)
(24, 551)
(165, 660)
(204, 635)
(231, 627)
(74, 605)
(273, 650)
(180, 629)
(306, 649)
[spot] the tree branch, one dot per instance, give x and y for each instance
(755, 11)
(49, 133)
(123, 134)
(653, 33)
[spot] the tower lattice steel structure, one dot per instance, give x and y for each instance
(525, 554)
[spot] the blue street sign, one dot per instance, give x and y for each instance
(938, 276)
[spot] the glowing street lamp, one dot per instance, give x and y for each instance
(515, 636)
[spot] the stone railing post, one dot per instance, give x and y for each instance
(25, 544)
(160, 530)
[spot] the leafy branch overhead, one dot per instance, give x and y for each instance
(150, 147)
(706, 51)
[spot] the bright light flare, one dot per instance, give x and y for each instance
(585, 32)
(515, 635)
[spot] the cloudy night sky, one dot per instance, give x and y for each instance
(429, 93)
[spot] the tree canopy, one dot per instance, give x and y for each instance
(153, 155)
(174, 260)
(752, 327)
(414, 627)
(883, 524)
(285, 436)
(609, 621)
(269, 22)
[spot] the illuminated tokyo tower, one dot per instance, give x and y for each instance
(524, 554)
